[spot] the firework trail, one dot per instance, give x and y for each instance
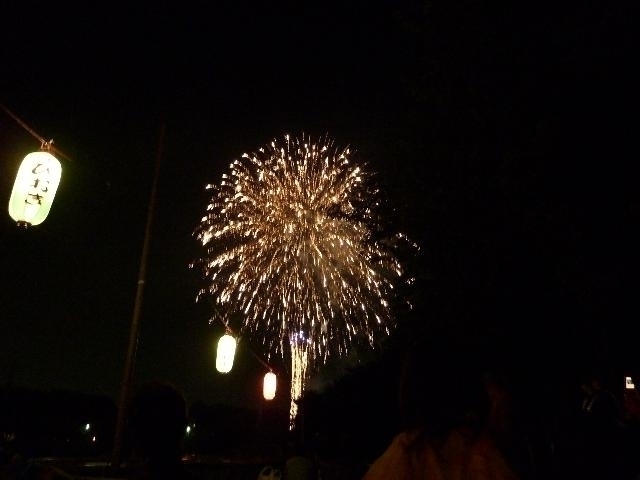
(290, 239)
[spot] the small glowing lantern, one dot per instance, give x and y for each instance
(269, 386)
(225, 354)
(35, 186)
(628, 383)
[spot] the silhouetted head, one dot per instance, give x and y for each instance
(158, 419)
(594, 380)
(441, 387)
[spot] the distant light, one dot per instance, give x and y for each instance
(226, 352)
(35, 186)
(269, 386)
(628, 383)
(93, 439)
(87, 427)
(188, 429)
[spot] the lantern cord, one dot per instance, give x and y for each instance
(45, 145)
(264, 364)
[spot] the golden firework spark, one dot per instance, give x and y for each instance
(290, 245)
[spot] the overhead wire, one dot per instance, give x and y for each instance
(44, 144)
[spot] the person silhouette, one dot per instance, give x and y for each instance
(445, 409)
(299, 464)
(602, 428)
(158, 419)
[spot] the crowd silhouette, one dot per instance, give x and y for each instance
(465, 416)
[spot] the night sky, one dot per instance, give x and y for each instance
(501, 136)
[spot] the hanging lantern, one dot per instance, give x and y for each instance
(269, 387)
(226, 352)
(35, 186)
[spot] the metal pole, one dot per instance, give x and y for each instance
(129, 366)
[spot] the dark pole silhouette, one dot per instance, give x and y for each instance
(129, 366)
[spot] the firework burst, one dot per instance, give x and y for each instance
(291, 246)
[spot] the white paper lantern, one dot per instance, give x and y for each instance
(35, 186)
(226, 352)
(269, 386)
